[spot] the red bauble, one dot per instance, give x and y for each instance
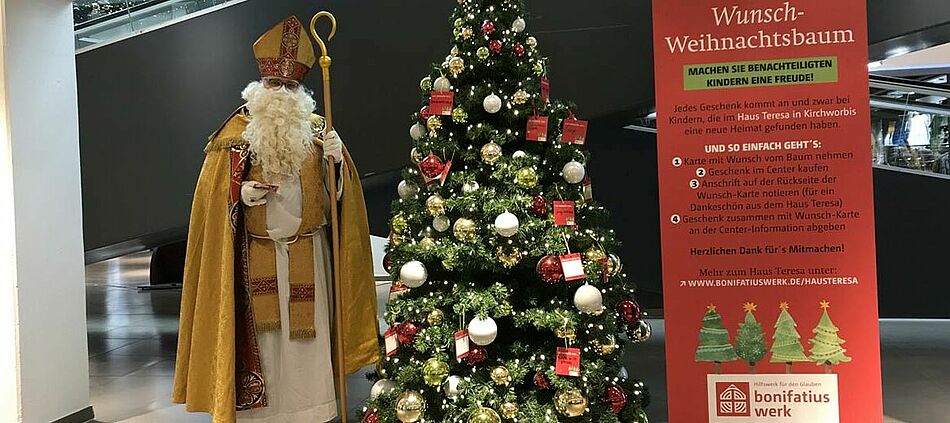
(549, 268)
(488, 28)
(541, 381)
(387, 262)
(406, 334)
(424, 113)
(616, 398)
(476, 355)
(539, 207)
(495, 46)
(431, 166)
(629, 311)
(519, 50)
(371, 417)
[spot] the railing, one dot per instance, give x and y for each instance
(910, 125)
(99, 22)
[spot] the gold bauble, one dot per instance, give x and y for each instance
(482, 53)
(500, 375)
(459, 115)
(605, 346)
(435, 204)
(456, 65)
(415, 155)
(566, 333)
(434, 123)
(435, 317)
(464, 229)
(509, 410)
(491, 152)
(425, 84)
(509, 259)
(520, 97)
(539, 68)
(434, 371)
(570, 402)
(458, 23)
(399, 224)
(526, 177)
(595, 255)
(467, 32)
(532, 42)
(427, 242)
(410, 406)
(485, 415)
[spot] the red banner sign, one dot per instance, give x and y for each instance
(766, 211)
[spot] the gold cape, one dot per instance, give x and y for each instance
(212, 348)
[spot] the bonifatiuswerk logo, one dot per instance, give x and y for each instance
(732, 399)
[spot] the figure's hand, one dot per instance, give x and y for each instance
(333, 147)
(254, 193)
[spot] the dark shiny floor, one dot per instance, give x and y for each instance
(132, 342)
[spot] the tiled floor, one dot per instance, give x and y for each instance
(132, 342)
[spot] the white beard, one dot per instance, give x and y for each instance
(279, 134)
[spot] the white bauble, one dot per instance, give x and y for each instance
(588, 299)
(506, 224)
(622, 374)
(441, 223)
(413, 274)
(417, 131)
(382, 387)
(518, 25)
(452, 386)
(492, 103)
(483, 331)
(407, 189)
(469, 187)
(442, 84)
(573, 172)
(518, 154)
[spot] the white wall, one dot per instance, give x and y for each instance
(41, 251)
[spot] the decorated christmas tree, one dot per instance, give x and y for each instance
(786, 342)
(515, 296)
(750, 340)
(714, 342)
(826, 345)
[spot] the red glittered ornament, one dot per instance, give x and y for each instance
(424, 113)
(476, 355)
(616, 398)
(519, 50)
(371, 417)
(406, 334)
(541, 381)
(539, 207)
(549, 268)
(629, 311)
(495, 46)
(488, 28)
(431, 166)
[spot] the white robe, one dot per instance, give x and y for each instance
(298, 373)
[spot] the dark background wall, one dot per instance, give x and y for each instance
(148, 103)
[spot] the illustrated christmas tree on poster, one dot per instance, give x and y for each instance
(516, 296)
(714, 345)
(750, 340)
(826, 347)
(786, 342)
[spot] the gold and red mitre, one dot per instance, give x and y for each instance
(285, 51)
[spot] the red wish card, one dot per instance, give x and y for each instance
(568, 362)
(564, 213)
(392, 346)
(441, 103)
(574, 131)
(461, 344)
(537, 128)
